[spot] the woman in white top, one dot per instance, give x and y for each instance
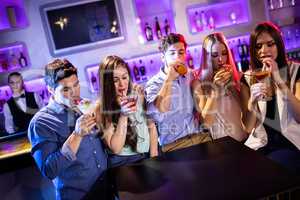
(217, 89)
(274, 124)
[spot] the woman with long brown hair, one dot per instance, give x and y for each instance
(274, 123)
(126, 129)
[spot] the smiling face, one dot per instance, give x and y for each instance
(219, 55)
(265, 46)
(121, 81)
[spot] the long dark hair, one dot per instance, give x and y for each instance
(110, 106)
(273, 30)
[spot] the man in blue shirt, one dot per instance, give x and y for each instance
(64, 145)
(170, 100)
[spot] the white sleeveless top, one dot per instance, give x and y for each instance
(290, 128)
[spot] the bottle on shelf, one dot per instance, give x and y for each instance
(157, 29)
(240, 49)
(22, 60)
(271, 4)
(293, 2)
(14, 61)
(245, 47)
(148, 32)
(196, 57)
(280, 3)
(211, 23)
(189, 59)
(142, 70)
(4, 65)
(136, 72)
(94, 81)
(167, 27)
(203, 19)
(198, 23)
(11, 15)
(232, 17)
(244, 64)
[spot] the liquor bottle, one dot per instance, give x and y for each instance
(167, 27)
(136, 73)
(245, 48)
(94, 82)
(244, 64)
(271, 5)
(148, 32)
(198, 23)
(293, 2)
(157, 29)
(4, 65)
(189, 60)
(203, 19)
(11, 15)
(196, 57)
(211, 22)
(240, 49)
(280, 3)
(22, 60)
(142, 70)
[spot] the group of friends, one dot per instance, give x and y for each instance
(174, 110)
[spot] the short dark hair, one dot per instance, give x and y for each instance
(14, 74)
(274, 31)
(58, 70)
(169, 40)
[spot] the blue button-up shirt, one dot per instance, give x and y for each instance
(47, 132)
(179, 121)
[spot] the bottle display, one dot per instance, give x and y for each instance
(148, 32)
(22, 60)
(157, 29)
(94, 82)
(167, 27)
(136, 72)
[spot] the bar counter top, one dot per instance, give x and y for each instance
(14, 147)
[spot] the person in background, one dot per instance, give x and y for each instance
(169, 98)
(126, 129)
(65, 145)
(21, 107)
(217, 89)
(274, 124)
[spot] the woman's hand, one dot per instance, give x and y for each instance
(257, 92)
(128, 105)
(223, 76)
(84, 124)
(270, 64)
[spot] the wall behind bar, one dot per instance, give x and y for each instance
(35, 37)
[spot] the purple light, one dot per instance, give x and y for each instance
(220, 14)
(146, 13)
(17, 12)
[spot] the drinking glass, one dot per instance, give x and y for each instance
(261, 76)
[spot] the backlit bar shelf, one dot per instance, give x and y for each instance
(13, 56)
(291, 35)
(204, 17)
(154, 19)
(282, 12)
(12, 15)
(143, 67)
